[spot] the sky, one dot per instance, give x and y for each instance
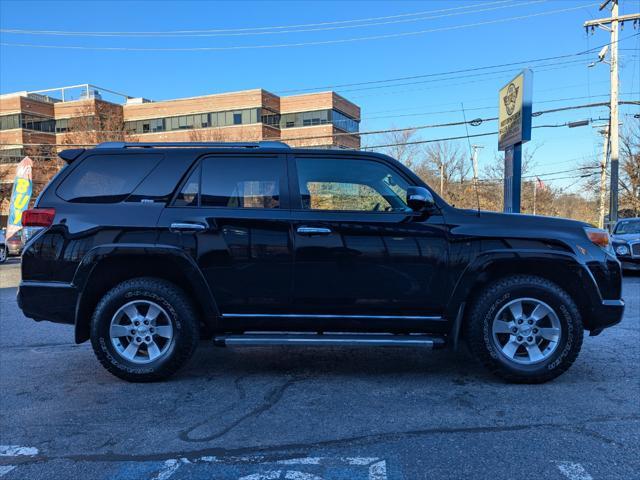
(295, 47)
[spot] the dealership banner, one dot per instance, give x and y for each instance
(20, 195)
(514, 111)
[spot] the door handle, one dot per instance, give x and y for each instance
(313, 230)
(187, 227)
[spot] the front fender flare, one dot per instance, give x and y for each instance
(551, 265)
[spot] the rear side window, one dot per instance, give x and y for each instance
(242, 182)
(106, 178)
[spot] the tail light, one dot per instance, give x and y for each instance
(38, 217)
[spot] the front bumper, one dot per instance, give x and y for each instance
(52, 301)
(629, 263)
(607, 314)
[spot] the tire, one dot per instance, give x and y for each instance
(4, 253)
(124, 356)
(494, 334)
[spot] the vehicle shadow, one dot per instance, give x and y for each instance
(333, 361)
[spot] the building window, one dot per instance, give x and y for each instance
(318, 117)
(28, 122)
(7, 122)
(237, 118)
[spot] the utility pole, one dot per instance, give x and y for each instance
(474, 160)
(603, 175)
(614, 21)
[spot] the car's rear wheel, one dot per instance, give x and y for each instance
(144, 329)
(3, 253)
(525, 329)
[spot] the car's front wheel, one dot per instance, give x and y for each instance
(3, 253)
(144, 329)
(524, 328)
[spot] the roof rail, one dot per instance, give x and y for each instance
(267, 144)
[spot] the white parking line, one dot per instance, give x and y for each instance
(573, 471)
(4, 469)
(14, 451)
(170, 467)
(17, 450)
(377, 468)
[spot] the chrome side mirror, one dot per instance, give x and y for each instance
(419, 199)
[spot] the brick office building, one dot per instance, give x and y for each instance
(37, 123)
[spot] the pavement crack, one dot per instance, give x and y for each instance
(302, 448)
(272, 397)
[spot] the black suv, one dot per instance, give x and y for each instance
(146, 248)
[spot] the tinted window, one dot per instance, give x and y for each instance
(242, 182)
(106, 178)
(188, 196)
(344, 184)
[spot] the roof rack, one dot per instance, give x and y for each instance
(268, 144)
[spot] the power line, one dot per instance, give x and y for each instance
(474, 122)
(452, 72)
(446, 79)
(284, 30)
(248, 29)
(298, 44)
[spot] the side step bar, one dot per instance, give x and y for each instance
(335, 339)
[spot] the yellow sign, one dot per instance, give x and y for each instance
(515, 111)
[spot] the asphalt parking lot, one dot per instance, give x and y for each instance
(313, 413)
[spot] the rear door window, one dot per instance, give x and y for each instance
(242, 182)
(107, 178)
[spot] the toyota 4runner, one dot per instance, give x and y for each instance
(147, 248)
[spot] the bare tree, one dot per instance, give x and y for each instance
(630, 171)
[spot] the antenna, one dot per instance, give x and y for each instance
(473, 151)
(474, 159)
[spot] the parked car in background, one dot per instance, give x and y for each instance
(626, 243)
(17, 241)
(3, 246)
(14, 243)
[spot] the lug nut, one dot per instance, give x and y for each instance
(514, 329)
(520, 320)
(133, 332)
(529, 339)
(519, 338)
(136, 323)
(146, 322)
(530, 322)
(147, 338)
(138, 339)
(535, 330)
(152, 329)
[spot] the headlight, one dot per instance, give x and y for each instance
(599, 237)
(622, 250)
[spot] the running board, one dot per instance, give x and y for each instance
(346, 340)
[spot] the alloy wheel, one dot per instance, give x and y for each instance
(526, 331)
(141, 331)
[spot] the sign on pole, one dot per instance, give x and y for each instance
(20, 196)
(514, 121)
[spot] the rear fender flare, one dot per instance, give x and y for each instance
(177, 258)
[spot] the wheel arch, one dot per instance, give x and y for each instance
(106, 266)
(560, 268)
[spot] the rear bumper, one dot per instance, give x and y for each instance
(52, 301)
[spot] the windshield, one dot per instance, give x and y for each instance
(627, 226)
